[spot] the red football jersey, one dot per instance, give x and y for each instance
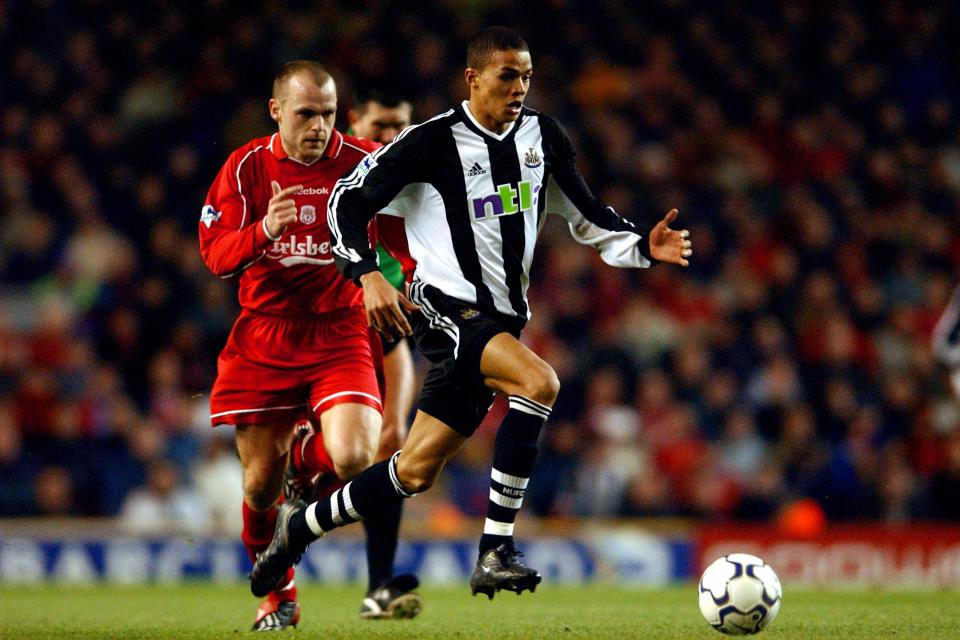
(293, 274)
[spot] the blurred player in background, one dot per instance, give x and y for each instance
(473, 186)
(380, 115)
(946, 340)
(300, 349)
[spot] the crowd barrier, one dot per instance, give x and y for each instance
(846, 556)
(855, 557)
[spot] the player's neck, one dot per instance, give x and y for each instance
(486, 121)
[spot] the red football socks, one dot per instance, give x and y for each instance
(313, 455)
(257, 533)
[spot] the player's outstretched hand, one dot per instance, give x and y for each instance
(281, 210)
(386, 307)
(667, 245)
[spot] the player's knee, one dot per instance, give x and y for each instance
(416, 483)
(390, 440)
(349, 465)
(259, 491)
(542, 385)
(417, 476)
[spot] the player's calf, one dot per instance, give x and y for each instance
(299, 525)
(272, 564)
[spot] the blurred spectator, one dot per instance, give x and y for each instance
(742, 451)
(791, 361)
(218, 480)
(648, 494)
(164, 505)
(54, 494)
(553, 486)
(945, 484)
(17, 472)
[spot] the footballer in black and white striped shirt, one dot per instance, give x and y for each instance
(473, 202)
(473, 185)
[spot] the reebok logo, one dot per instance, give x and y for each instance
(313, 191)
(476, 170)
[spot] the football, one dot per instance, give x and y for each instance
(739, 594)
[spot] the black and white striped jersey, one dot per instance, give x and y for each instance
(473, 204)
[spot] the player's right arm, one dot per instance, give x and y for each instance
(355, 199)
(364, 192)
(234, 232)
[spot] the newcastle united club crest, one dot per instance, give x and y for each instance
(532, 159)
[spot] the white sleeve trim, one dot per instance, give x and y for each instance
(616, 248)
(267, 233)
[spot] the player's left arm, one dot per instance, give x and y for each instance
(669, 245)
(593, 223)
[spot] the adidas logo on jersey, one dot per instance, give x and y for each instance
(476, 170)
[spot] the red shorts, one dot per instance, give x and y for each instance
(376, 345)
(278, 368)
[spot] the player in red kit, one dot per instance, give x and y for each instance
(300, 348)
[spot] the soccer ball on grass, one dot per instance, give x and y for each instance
(739, 594)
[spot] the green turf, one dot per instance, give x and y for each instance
(209, 611)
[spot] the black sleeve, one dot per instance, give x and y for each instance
(561, 161)
(364, 191)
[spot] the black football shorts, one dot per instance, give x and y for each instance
(452, 334)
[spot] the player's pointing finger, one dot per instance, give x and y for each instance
(289, 191)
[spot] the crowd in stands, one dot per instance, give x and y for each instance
(813, 152)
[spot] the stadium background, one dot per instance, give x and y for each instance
(785, 379)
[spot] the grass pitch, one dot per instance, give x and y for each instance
(200, 611)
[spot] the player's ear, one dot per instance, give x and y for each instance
(470, 75)
(274, 108)
(352, 117)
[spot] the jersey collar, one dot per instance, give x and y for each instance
(330, 153)
(478, 128)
